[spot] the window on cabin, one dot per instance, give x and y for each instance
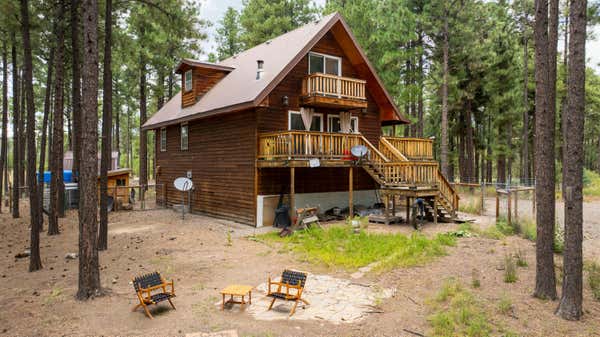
(163, 139)
(334, 125)
(188, 80)
(184, 136)
(319, 63)
(120, 182)
(296, 122)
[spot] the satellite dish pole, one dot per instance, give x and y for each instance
(184, 184)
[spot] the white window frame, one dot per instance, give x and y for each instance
(163, 139)
(290, 112)
(339, 59)
(187, 140)
(329, 117)
(185, 81)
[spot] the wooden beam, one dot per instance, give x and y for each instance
(435, 210)
(350, 194)
(407, 209)
(508, 207)
(292, 191)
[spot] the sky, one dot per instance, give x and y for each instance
(213, 11)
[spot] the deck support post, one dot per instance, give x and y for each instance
(292, 191)
(386, 211)
(393, 205)
(497, 205)
(407, 209)
(435, 210)
(350, 193)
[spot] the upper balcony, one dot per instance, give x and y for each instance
(331, 91)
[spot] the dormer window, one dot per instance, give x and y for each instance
(326, 64)
(188, 80)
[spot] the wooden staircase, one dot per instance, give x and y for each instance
(393, 170)
(400, 166)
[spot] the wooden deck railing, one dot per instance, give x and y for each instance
(308, 144)
(392, 164)
(413, 148)
(335, 86)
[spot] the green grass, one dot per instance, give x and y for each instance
(505, 305)
(338, 246)
(510, 269)
(593, 270)
(456, 312)
(591, 184)
(470, 204)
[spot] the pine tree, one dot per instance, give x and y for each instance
(545, 286)
(228, 35)
(89, 272)
(572, 290)
(266, 19)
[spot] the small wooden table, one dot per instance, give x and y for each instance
(237, 290)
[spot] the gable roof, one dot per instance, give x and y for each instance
(240, 89)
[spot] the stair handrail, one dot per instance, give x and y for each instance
(372, 149)
(392, 149)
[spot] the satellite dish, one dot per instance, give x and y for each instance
(183, 184)
(359, 151)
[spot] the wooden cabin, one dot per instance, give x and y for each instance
(281, 118)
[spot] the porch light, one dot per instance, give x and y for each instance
(285, 101)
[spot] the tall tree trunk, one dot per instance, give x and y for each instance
(56, 161)
(35, 261)
(420, 122)
(143, 134)
(129, 147)
(106, 128)
(16, 193)
(47, 98)
(597, 156)
(76, 85)
(509, 157)
(4, 142)
(89, 273)
(545, 286)
(444, 126)
(525, 135)
(572, 288)
(563, 103)
(22, 133)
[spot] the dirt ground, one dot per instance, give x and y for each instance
(204, 254)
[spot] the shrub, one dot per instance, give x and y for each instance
(475, 279)
(470, 204)
(510, 269)
(505, 305)
(593, 270)
(456, 312)
(591, 183)
(521, 258)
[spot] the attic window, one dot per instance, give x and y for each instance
(188, 80)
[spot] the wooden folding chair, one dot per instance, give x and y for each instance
(144, 286)
(290, 279)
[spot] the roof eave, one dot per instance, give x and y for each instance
(200, 115)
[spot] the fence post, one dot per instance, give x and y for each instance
(517, 205)
(143, 197)
(482, 198)
(497, 205)
(164, 188)
(508, 194)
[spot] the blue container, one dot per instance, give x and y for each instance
(67, 176)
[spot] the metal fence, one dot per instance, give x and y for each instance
(121, 198)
